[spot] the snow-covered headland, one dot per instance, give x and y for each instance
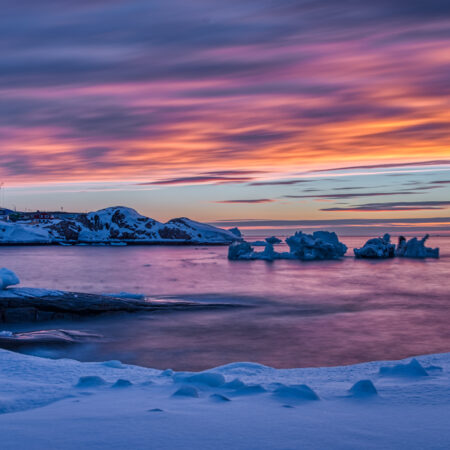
(69, 405)
(111, 226)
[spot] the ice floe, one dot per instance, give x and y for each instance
(376, 248)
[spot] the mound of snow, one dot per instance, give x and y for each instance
(413, 248)
(90, 381)
(186, 391)
(377, 248)
(412, 369)
(296, 393)
(121, 383)
(8, 278)
(206, 378)
(363, 388)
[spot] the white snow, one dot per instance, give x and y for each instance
(7, 278)
(67, 405)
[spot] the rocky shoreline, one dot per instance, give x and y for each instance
(21, 305)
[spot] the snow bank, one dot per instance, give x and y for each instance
(73, 405)
(377, 248)
(413, 248)
(320, 245)
(7, 278)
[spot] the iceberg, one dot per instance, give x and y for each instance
(376, 248)
(414, 248)
(320, 245)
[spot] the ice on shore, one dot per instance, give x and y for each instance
(101, 406)
(376, 248)
(320, 245)
(8, 278)
(415, 248)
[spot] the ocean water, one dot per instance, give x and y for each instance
(297, 314)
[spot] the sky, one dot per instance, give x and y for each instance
(260, 113)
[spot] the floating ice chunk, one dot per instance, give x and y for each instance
(306, 247)
(297, 393)
(320, 245)
(377, 248)
(240, 250)
(413, 248)
(186, 391)
(219, 398)
(8, 278)
(363, 388)
(90, 381)
(273, 240)
(236, 231)
(411, 369)
(121, 383)
(206, 378)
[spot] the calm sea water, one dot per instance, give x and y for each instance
(299, 315)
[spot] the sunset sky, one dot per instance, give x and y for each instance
(249, 112)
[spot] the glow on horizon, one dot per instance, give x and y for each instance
(223, 95)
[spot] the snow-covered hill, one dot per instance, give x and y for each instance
(112, 225)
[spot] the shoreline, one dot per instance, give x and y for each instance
(379, 404)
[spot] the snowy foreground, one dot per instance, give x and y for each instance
(65, 404)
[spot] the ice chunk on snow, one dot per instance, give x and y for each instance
(206, 378)
(376, 248)
(186, 391)
(413, 248)
(7, 278)
(90, 381)
(121, 383)
(296, 393)
(219, 398)
(363, 388)
(412, 369)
